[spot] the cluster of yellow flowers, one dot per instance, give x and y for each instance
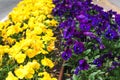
(27, 35)
(26, 71)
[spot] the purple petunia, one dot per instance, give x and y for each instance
(83, 65)
(66, 54)
(78, 47)
(111, 34)
(85, 27)
(117, 19)
(68, 32)
(98, 62)
(77, 70)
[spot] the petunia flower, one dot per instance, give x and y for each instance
(78, 47)
(111, 34)
(66, 54)
(83, 65)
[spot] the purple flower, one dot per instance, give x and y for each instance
(98, 62)
(67, 23)
(85, 27)
(111, 13)
(111, 34)
(90, 34)
(117, 19)
(118, 57)
(69, 42)
(56, 1)
(82, 18)
(78, 47)
(102, 46)
(111, 68)
(66, 54)
(114, 63)
(76, 71)
(68, 32)
(68, 3)
(95, 21)
(108, 55)
(83, 65)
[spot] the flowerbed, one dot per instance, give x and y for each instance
(87, 36)
(27, 40)
(90, 39)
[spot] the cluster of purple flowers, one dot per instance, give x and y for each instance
(81, 22)
(99, 61)
(83, 65)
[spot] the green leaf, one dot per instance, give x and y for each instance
(100, 78)
(93, 66)
(87, 51)
(75, 77)
(92, 75)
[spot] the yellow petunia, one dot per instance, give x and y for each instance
(35, 65)
(46, 76)
(30, 53)
(51, 46)
(20, 57)
(20, 72)
(47, 62)
(30, 72)
(11, 76)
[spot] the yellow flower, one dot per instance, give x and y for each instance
(54, 22)
(30, 53)
(9, 40)
(49, 32)
(54, 79)
(51, 46)
(3, 49)
(47, 62)
(27, 71)
(41, 18)
(11, 76)
(51, 22)
(30, 72)
(46, 76)
(20, 72)
(44, 51)
(37, 30)
(35, 65)
(20, 57)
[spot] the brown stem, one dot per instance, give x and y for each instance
(61, 72)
